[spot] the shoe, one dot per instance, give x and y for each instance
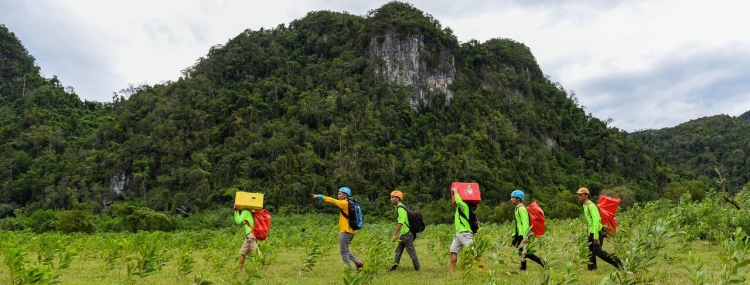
(360, 266)
(393, 268)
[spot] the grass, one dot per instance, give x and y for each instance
(214, 257)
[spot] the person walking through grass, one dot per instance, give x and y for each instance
(523, 223)
(403, 233)
(346, 233)
(245, 217)
(596, 233)
(464, 235)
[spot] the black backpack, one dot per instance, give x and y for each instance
(356, 222)
(472, 218)
(414, 219)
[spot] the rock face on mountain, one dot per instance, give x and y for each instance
(402, 61)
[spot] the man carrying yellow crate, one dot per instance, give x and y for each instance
(250, 244)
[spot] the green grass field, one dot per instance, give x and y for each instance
(653, 254)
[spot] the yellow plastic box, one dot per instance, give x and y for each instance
(250, 201)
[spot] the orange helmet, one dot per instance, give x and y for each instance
(398, 194)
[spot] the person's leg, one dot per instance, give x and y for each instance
(397, 257)
(344, 241)
(614, 261)
(593, 248)
(408, 241)
(242, 263)
(535, 258)
(359, 264)
(454, 258)
(247, 247)
(521, 250)
(454, 250)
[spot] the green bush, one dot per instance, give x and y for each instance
(696, 189)
(627, 196)
(74, 221)
(142, 219)
(42, 220)
(16, 224)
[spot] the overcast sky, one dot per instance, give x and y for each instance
(646, 64)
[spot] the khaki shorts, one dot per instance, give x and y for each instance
(249, 245)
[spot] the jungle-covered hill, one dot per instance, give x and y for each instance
(388, 100)
(696, 149)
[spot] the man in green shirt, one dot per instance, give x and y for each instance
(596, 234)
(403, 233)
(464, 235)
(245, 217)
(522, 229)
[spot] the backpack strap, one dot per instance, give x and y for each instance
(462, 215)
(342, 211)
(407, 214)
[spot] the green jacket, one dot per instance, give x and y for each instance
(241, 216)
(591, 212)
(522, 220)
(461, 224)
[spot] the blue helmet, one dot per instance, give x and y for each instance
(346, 191)
(517, 193)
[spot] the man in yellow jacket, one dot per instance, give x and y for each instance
(346, 233)
(596, 234)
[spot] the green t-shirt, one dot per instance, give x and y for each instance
(241, 216)
(403, 218)
(462, 225)
(522, 220)
(591, 212)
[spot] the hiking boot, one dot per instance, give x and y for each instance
(360, 266)
(393, 268)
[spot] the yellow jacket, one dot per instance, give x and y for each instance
(344, 206)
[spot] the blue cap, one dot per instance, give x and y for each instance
(517, 193)
(346, 191)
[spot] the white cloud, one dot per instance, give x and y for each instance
(596, 48)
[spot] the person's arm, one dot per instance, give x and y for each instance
(342, 204)
(523, 223)
(237, 218)
(398, 230)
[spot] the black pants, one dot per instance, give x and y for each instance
(596, 251)
(517, 240)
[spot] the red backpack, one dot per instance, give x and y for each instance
(536, 219)
(262, 221)
(607, 210)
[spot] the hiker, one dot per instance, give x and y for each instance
(346, 233)
(520, 240)
(596, 233)
(250, 244)
(403, 233)
(464, 235)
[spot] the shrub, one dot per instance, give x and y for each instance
(697, 190)
(74, 221)
(42, 220)
(142, 219)
(627, 196)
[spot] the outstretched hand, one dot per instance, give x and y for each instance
(236, 207)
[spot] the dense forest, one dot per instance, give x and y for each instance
(306, 108)
(699, 148)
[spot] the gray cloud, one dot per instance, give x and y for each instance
(678, 88)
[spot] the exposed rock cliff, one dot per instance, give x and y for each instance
(405, 61)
